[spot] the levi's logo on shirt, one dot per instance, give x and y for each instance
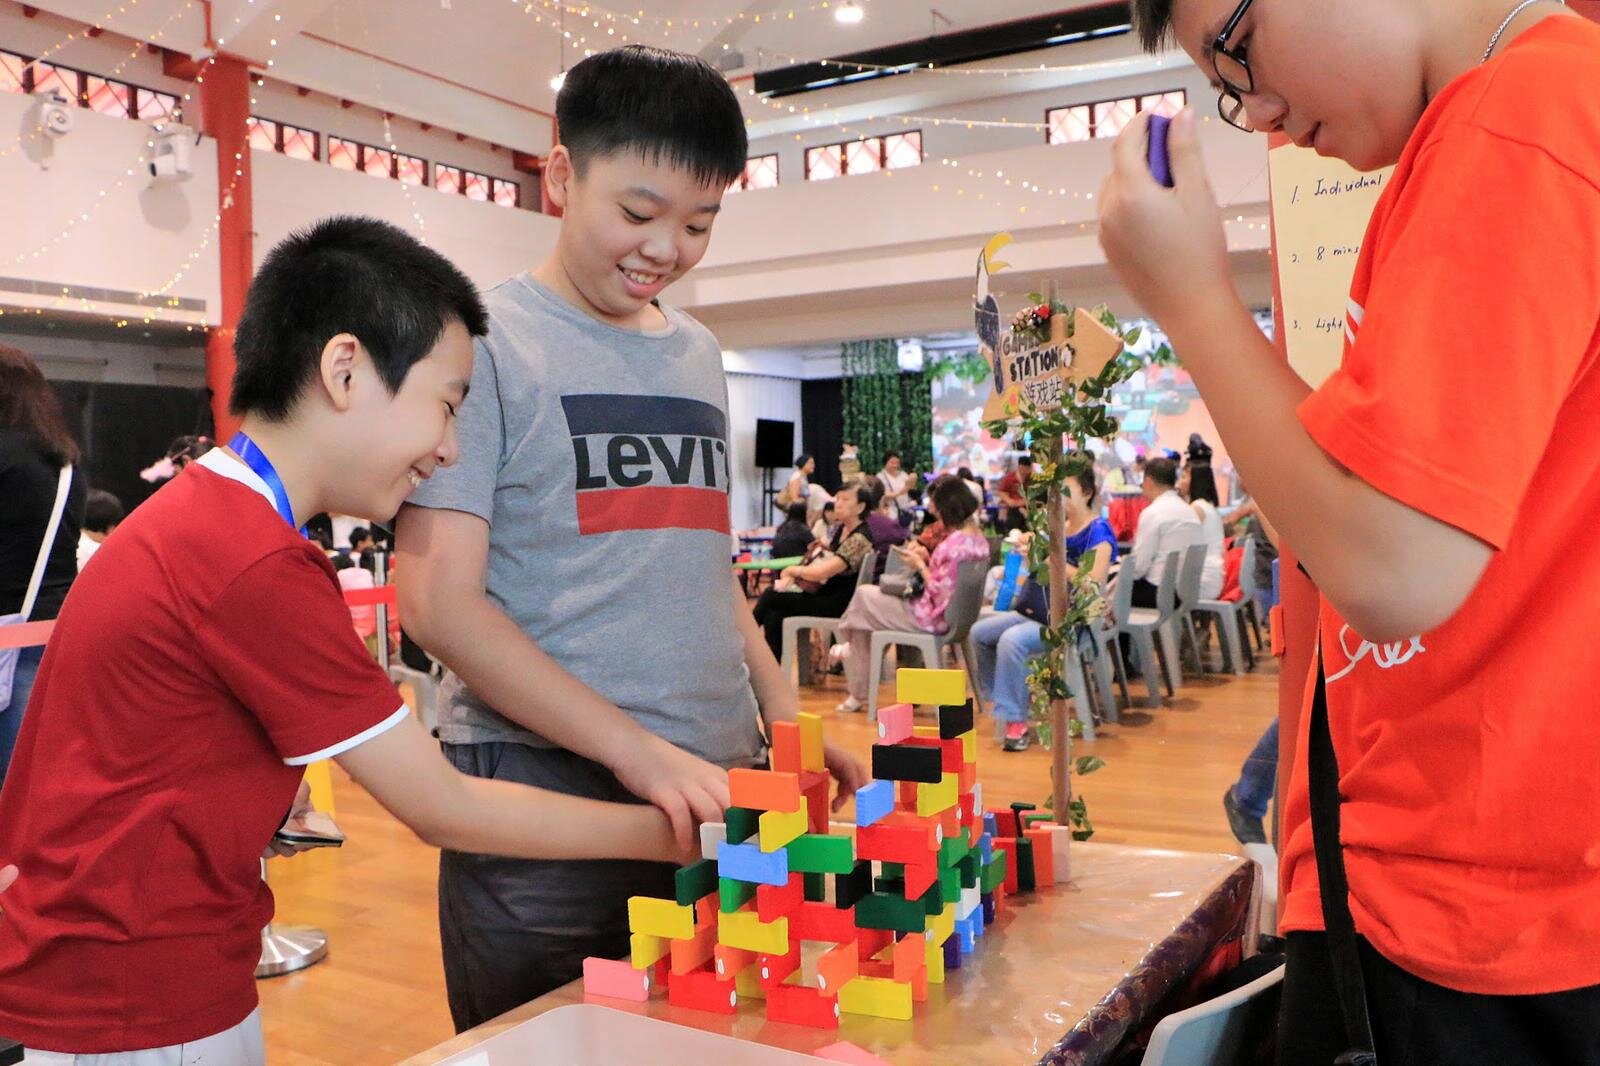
(648, 462)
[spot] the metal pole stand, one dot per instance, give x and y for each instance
(290, 948)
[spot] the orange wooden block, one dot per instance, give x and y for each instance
(920, 877)
(1044, 866)
(910, 955)
(906, 795)
(730, 961)
(774, 968)
(705, 911)
(786, 747)
(919, 986)
(950, 821)
(693, 954)
(1275, 620)
(969, 776)
(764, 790)
(836, 967)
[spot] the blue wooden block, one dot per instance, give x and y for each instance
(747, 862)
(988, 908)
(991, 824)
(874, 801)
(985, 849)
(952, 952)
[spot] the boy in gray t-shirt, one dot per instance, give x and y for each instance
(572, 569)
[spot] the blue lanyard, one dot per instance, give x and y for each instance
(256, 460)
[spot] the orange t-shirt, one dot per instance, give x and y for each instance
(1469, 756)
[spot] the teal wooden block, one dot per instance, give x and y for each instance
(696, 882)
(882, 911)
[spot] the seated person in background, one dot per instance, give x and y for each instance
(1167, 525)
(1198, 485)
(823, 584)
(102, 513)
(361, 541)
(966, 474)
(894, 480)
(794, 536)
(1006, 641)
(1013, 495)
(883, 525)
(822, 528)
(872, 609)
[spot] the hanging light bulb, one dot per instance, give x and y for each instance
(558, 81)
(848, 13)
(561, 76)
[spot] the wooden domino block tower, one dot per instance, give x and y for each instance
(820, 921)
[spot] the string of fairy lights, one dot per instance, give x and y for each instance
(608, 28)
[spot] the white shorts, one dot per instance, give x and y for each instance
(238, 1046)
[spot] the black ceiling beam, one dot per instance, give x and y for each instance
(948, 49)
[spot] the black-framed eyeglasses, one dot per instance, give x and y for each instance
(1232, 68)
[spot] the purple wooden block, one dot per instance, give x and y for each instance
(1160, 162)
(952, 952)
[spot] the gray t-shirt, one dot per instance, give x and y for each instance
(599, 458)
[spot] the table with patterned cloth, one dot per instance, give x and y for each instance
(1066, 976)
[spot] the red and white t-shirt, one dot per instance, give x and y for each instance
(193, 671)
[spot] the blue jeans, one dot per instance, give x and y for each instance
(1258, 780)
(1005, 642)
(28, 660)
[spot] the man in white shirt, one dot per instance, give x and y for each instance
(895, 497)
(102, 513)
(1167, 525)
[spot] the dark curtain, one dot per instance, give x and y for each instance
(124, 428)
(822, 428)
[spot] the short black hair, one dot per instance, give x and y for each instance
(1026, 460)
(1162, 471)
(1152, 21)
(661, 105)
(345, 274)
(952, 500)
(359, 534)
(802, 459)
(890, 454)
(101, 511)
(868, 490)
(796, 512)
(827, 507)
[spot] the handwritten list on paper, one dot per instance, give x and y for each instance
(1320, 210)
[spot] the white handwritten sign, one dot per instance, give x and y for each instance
(1041, 373)
(1320, 211)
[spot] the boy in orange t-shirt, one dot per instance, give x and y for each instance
(1441, 488)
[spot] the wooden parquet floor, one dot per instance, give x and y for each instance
(380, 995)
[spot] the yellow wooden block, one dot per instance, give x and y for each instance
(942, 925)
(927, 732)
(934, 799)
(934, 954)
(778, 829)
(647, 950)
(877, 997)
(743, 929)
(969, 746)
(747, 982)
(660, 917)
(810, 741)
(940, 687)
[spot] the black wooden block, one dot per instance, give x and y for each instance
(899, 762)
(955, 720)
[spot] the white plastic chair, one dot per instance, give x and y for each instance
(1215, 1033)
(1143, 625)
(965, 603)
(1232, 616)
(829, 627)
(1190, 570)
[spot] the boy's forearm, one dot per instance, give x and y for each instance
(518, 821)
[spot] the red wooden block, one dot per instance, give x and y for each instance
(919, 985)
(841, 964)
(774, 968)
(705, 911)
(892, 843)
(974, 831)
(776, 901)
(910, 955)
(797, 1005)
(730, 961)
(968, 806)
(694, 953)
(703, 990)
(955, 756)
(906, 795)
(1044, 867)
(814, 786)
(911, 819)
(786, 747)
(1008, 846)
(1005, 821)
(764, 790)
(871, 941)
(822, 921)
(877, 968)
(969, 776)
(920, 876)
(950, 821)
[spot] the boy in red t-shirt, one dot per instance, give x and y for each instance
(208, 656)
(1441, 487)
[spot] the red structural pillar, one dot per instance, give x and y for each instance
(224, 110)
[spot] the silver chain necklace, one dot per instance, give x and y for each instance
(1495, 40)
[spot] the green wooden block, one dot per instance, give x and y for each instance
(880, 910)
(968, 866)
(818, 853)
(933, 900)
(1038, 821)
(892, 885)
(694, 883)
(952, 850)
(950, 885)
(1025, 879)
(742, 824)
(892, 869)
(994, 874)
(735, 894)
(816, 888)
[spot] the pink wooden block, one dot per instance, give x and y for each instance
(895, 723)
(615, 978)
(844, 1051)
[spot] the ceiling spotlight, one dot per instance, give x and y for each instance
(558, 81)
(849, 13)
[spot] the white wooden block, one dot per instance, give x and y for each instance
(1061, 852)
(711, 835)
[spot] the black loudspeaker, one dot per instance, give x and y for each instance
(774, 443)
